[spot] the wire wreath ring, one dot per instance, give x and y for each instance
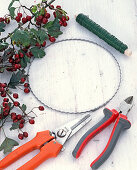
(90, 110)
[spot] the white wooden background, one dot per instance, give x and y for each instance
(118, 17)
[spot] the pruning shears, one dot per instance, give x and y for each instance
(50, 144)
(119, 116)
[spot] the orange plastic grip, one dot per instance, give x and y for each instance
(49, 150)
(35, 143)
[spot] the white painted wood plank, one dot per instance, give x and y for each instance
(118, 17)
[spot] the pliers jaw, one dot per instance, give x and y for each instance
(125, 106)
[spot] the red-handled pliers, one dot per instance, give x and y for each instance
(122, 123)
(49, 143)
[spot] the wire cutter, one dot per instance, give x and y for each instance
(49, 143)
(121, 123)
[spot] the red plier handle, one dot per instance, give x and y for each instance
(50, 149)
(110, 116)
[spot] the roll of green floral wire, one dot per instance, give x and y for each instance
(86, 22)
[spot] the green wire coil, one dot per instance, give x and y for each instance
(101, 33)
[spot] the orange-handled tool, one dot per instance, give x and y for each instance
(49, 143)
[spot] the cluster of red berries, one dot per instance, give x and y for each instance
(5, 109)
(6, 20)
(2, 89)
(63, 19)
(26, 85)
(24, 19)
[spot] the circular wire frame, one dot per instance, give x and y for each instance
(86, 110)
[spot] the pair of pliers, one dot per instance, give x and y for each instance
(121, 123)
(49, 143)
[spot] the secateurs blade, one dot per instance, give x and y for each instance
(119, 116)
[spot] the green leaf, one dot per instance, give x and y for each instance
(42, 11)
(3, 46)
(21, 37)
(42, 35)
(15, 126)
(24, 61)
(55, 33)
(49, 24)
(38, 53)
(2, 25)
(12, 11)
(34, 9)
(10, 5)
(8, 144)
(24, 107)
(15, 79)
(54, 30)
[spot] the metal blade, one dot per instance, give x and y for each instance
(66, 131)
(125, 106)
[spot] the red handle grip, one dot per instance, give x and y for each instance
(49, 150)
(35, 143)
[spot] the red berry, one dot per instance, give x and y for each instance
(5, 113)
(5, 99)
(20, 136)
(1, 19)
(44, 20)
(67, 18)
(5, 104)
(38, 23)
(15, 120)
(17, 60)
(25, 134)
(22, 121)
(26, 85)
(41, 108)
(63, 18)
(30, 53)
(61, 23)
(17, 18)
(24, 20)
(13, 117)
(65, 24)
(13, 114)
(37, 44)
(54, 13)
(11, 60)
(21, 125)
(23, 80)
(47, 15)
(28, 18)
(17, 56)
(21, 55)
(3, 94)
(17, 66)
(15, 95)
(40, 18)
(51, 6)
(3, 85)
(19, 117)
(7, 20)
(58, 6)
(26, 90)
(44, 44)
(20, 15)
(25, 49)
(1, 89)
(31, 121)
(16, 103)
(52, 39)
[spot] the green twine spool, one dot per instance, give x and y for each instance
(103, 34)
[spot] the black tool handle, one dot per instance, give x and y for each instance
(109, 117)
(121, 124)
